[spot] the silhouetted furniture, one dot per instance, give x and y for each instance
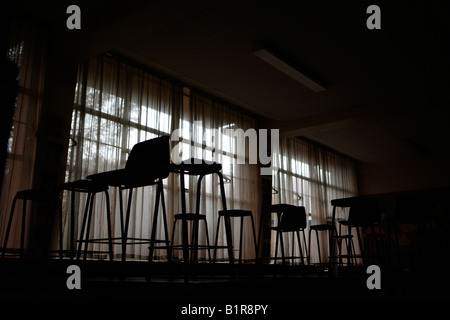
(236, 213)
(414, 210)
(363, 213)
(200, 168)
(91, 188)
(195, 218)
(147, 165)
(347, 237)
(290, 218)
(32, 195)
(324, 227)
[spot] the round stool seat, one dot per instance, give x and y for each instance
(190, 216)
(84, 185)
(235, 213)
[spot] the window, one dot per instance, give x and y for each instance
(118, 105)
(311, 176)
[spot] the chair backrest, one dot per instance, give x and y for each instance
(364, 212)
(150, 158)
(293, 218)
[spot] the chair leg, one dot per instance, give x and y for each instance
(8, 229)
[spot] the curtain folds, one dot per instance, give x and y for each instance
(118, 105)
(311, 176)
(26, 47)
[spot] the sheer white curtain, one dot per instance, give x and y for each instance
(26, 47)
(311, 176)
(118, 105)
(209, 132)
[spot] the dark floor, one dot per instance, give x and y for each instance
(218, 284)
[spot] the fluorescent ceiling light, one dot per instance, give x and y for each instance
(288, 70)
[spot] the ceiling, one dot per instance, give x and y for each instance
(386, 99)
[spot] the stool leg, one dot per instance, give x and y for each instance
(72, 224)
(361, 248)
(60, 228)
(166, 232)
(83, 224)
(276, 246)
(240, 239)
(22, 233)
(194, 239)
(309, 244)
(173, 233)
(127, 222)
(282, 247)
(217, 238)
(108, 219)
(88, 229)
(300, 246)
(318, 246)
(254, 238)
(306, 249)
(207, 240)
(8, 229)
(155, 221)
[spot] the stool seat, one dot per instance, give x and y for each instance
(29, 195)
(36, 194)
(198, 167)
(190, 216)
(327, 227)
(321, 227)
(84, 185)
(91, 188)
(235, 213)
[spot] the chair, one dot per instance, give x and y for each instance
(236, 213)
(91, 188)
(147, 165)
(290, 218)
(25, 196)
(363, 213)
(325, 227)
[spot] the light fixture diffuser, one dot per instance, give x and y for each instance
(288, 70)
